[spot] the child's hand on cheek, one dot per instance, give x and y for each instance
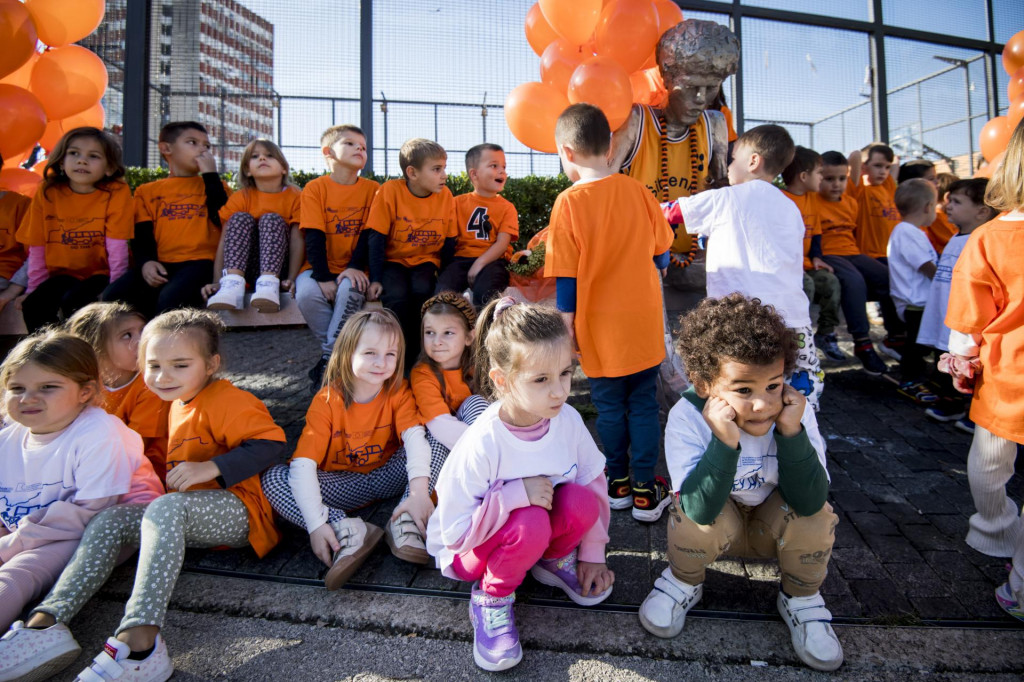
(793, 404)
(721, 417)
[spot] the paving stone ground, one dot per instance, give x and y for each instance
(899, 486)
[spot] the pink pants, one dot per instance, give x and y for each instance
(530, 534)
(29, 575)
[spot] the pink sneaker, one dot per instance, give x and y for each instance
(28, 655)
(561, 573)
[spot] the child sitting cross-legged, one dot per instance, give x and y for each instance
(748, 465)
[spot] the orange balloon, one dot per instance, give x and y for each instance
(573, 20)
(602, 82)
(17, 35)
(68, 80)
(23, 120)
(94, 116)
(628, 32)
(669, 15)
(994, 137)
(989, 167)
(1015, 89)
(1015, 113)
(20, 180)
(538, 31)
(648, 88)
(23, 73)
(558, 62)
(1013, 53)
(531, 111)
(60, 22)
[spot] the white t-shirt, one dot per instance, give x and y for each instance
(934, 331)
(908, 250)
(755, 245)
(488, 452)
(95, 456)
(687, 436)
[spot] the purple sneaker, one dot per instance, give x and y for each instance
(495, 638)
(561, 573)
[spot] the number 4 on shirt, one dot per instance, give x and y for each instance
(480, 224)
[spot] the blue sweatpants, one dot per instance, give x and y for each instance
(627, 422)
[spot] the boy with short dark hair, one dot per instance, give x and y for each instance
(334, 209)
(803, 178)
(177, 226)
(606, 243)
(872, 183)
(755, 240)
(749, 474)
(414, 221)
(487, 223)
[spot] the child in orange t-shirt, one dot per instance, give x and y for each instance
(113, 329)
(606, 244)
(803, 179)
(414, 218)
(13, 271)
(986, 318)
(488, 224)
(875, 192)
(77, 228)
(261, 236)
(177, 226)
(220, 438)
(334, 209)
(363, 441)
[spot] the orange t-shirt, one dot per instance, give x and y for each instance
(480, 220)
(181, 224)
(73, 228)
(285, 203)
(606, 233)
(986, 297)
(941, 231)
(339, 211)
(727, 112)
(146, 415)
(360, 437)
(838, 226)
(808, 205)
(431, 400)
(13, 207)
(220, 418)
(877, 215)
(416, 227)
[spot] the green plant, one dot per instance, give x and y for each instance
(533, 263)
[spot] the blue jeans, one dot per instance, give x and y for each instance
(627, 422)
(326, 318)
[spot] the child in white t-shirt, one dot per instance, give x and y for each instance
(912, 261)
(756, 241)
(62, 460)
(524, 487)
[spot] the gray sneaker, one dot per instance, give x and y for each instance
(829, 347)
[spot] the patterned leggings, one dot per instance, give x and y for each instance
(807, 376)
(255, 246)
(345, 491)
(162, 530)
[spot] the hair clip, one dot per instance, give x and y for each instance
(504, 304)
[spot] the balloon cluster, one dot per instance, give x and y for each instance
(595, 51)
(44, 94)
(995, 135)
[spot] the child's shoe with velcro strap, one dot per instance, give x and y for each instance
(266, 297)
(357, 539)
(663, 613)
(620, 493)
(33, 655)
(918, 392)
(406, 541)
(810, 628)
(561, 573)
(230, 294)
(650, 499)
(495, 637)
(113, 664)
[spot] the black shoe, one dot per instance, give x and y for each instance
(829, 347)
(650, 499)
(316, 374)
(620, 494)
(873, 364)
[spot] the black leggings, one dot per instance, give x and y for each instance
(59, 297)
(183, 288)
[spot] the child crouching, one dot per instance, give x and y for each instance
(767, 503)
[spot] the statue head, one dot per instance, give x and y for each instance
(694, 57)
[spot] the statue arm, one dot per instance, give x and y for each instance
(718, 169)
(625, 138)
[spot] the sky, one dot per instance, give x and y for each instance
(467, 53)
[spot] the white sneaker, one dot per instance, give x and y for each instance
(230, 295)
(267, 296)
(357, 539)
(28, 655)
(809, 622)
(113, 664)
(663, 612)
(406, 541)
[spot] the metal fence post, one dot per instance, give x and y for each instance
(136, 77)
(880, 88)
(222, 143)
(366, 82)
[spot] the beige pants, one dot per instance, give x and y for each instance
(801, 544)
(996, 528)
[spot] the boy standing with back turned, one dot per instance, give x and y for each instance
(606, 242)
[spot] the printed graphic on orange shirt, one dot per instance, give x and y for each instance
(479, 223)
(362, 454)
(75, 233)
(181, 441)
(182, 211)
(346, 222)
(419, 232)
(881, 209)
